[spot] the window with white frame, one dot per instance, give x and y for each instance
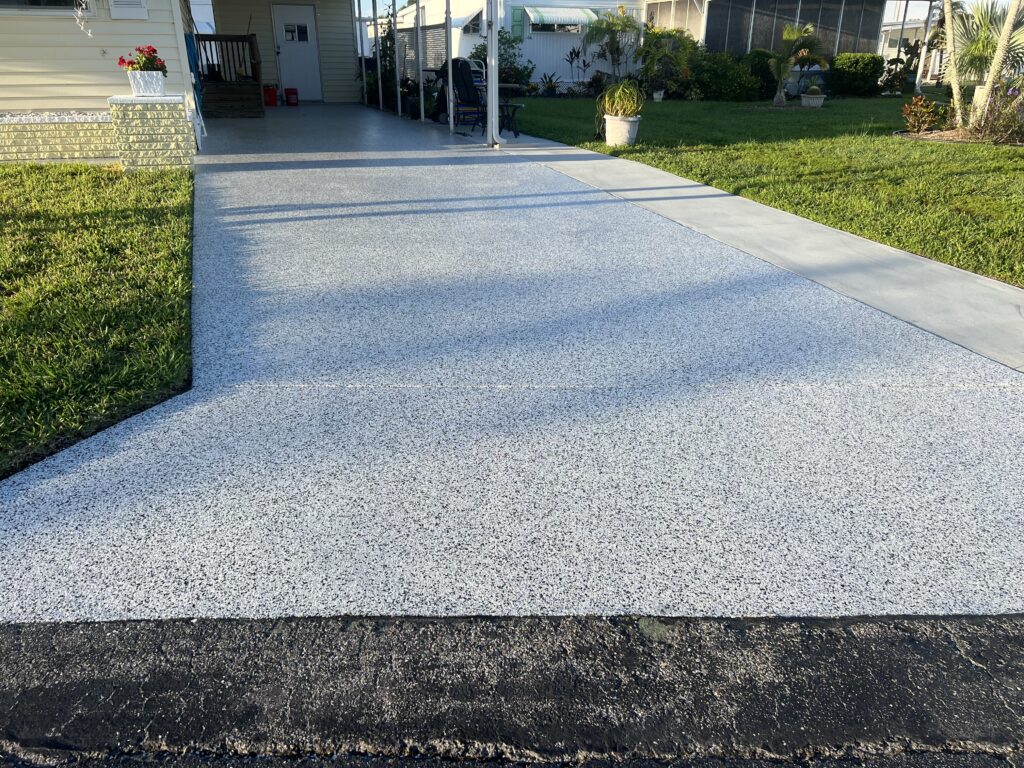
(574, 28)
(38, 5)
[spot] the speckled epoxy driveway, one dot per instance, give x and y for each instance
(435, 379)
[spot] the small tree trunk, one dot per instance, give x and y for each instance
(951, 74)
(995, 71)
(780, 92)
(924, 50)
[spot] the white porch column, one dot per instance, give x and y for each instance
(493, 24)
(398, 70)
(362, 55)
(376, 48)
(448, 63)
(419, 62)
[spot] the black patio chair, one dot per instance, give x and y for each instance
(470, 108)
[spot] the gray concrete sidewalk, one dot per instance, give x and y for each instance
(981, 314)
(436, 379)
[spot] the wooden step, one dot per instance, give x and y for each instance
(232, 100)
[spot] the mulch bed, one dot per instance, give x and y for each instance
(949, 137)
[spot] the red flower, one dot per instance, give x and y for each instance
(146, 60)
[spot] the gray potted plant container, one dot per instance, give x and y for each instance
(812, 97)
(621, 104)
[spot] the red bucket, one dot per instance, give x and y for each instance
(291, 97)
(269, 96)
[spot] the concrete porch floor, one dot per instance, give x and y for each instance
(431, 378)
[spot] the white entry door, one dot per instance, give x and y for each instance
(298, 58)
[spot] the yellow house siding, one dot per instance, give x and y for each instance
(335, 39)
(48, 63)
(238, 17)
(337, 50)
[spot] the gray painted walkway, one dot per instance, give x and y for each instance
(436, 379)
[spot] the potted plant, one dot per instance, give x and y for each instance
(656, 84)
(146, 71)
(802, 49)
(812, 97)
(621, 104)
(549, 83)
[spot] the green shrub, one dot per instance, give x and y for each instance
(672, 60)
(1002, 118)
(856, 74)
(664, 57)
(921, 114)
(721, 77)
(757, 61)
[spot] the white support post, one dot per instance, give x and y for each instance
(839, 26)
(362, 54)
(753, 18)
(376, 48)
(449, 90)
(419, 62)
(903, 27)
(398, 70)
(493, 22)
(704, 23)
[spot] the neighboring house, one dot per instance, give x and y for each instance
(740, 26)
(547, 32)
(913, 30)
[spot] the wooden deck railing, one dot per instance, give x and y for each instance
(229, 59)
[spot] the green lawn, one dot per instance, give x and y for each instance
(95, 286)
(840, 165)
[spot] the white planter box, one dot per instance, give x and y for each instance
(620, 131)
(812, 101)
(659, 95)
(147, 83)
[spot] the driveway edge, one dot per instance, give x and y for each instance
(551, 690)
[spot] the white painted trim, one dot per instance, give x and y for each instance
(62, 13)
(137, 10)
(186, 71)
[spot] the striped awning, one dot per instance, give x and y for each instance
(568, 16)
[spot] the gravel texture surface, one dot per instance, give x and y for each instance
(55, 117)
(434, 379)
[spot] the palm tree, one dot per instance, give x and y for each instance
(616, 37)
(1007, 58)
(951, 65)
(800, 48)
(978, 33)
